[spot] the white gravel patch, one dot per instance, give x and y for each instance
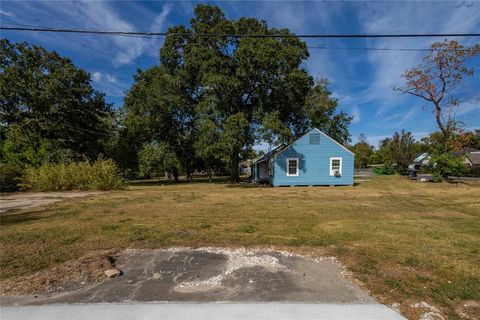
(236, 259)
(431, 313)
(208, 283)
(243, 258)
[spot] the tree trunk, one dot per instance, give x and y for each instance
(438, 117)
(175, 174)
(209, 172)
(188, 172)
(235, 173)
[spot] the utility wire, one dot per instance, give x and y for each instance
(26, 27)
(239, 35)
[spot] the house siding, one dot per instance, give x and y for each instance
(314, 163)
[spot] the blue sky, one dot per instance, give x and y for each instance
(361, 79)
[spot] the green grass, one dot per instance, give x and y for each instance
(406, 241)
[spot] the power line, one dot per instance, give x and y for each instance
(238, 35)
(386, 49)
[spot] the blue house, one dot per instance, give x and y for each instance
(314, 159)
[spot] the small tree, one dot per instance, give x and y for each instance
(364, 152)
(446, 164)
(399, 150)
(434, 80)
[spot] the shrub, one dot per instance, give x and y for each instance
(10, 174)
(385, 170)
(446, 164)
(99, 175)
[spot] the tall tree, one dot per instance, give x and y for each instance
(435, 80)
(158, 109)
(228, 82)
(237, 89)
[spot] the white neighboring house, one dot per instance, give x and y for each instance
(471, 159)
(422, 160)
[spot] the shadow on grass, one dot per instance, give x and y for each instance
(15, 217)
(168, 182)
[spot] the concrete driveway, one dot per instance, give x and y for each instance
(250, 280)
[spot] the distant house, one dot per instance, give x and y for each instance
(245, 167)
(421, 160)
(313, 159)
(471, 156)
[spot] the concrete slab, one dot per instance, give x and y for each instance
(252, 281)
(214, 274)
(203, 311)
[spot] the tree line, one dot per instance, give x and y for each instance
(400, 150)
(203, 107)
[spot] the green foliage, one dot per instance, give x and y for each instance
(10, 174)
(156, 157)
(49, 111)
(206, 146)
(273, 131)
(400, 150)
(384, 170)
(99, 175)
(364, 153)
(446, 164)
(213, 97)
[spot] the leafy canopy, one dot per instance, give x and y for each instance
(215, 97)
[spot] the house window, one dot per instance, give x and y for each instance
(335, 166)
(314, 138)
(292, 167)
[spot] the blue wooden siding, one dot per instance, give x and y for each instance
(314, 163)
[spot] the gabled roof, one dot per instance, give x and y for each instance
(465, 151)
(275, 152)
(420, 157)
(272, 153)
(474, 157)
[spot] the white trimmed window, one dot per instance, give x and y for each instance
(335, 166)
(292, 167)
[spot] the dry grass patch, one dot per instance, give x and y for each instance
(406, 241)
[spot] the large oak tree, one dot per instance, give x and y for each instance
(212, 83)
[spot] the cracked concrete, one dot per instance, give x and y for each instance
(214, 274)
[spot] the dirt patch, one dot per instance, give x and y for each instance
(70, 276)
(469, 310)
(19, 201)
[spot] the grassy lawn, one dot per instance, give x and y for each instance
(405, 241)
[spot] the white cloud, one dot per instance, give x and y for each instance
(7, 13)
(96, 76)
(469, 107)
(108, 83)
(110, 78)
(348, 103)
(397, 18)
(90, 15)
